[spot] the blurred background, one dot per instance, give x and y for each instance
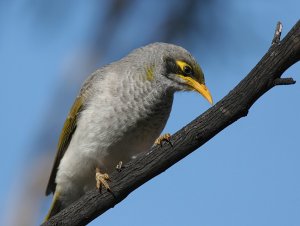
(246, 175)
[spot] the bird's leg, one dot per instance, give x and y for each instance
(101, 179)
(163, 138)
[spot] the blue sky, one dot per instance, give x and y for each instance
(246, 175)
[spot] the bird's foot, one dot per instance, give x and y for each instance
(120, 166)
(163, 138)
(102, 179)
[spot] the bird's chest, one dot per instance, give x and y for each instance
(135, 129)
(124, 126)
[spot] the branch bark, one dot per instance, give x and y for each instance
(264, 76)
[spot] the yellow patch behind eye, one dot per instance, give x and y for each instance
(149, 73)
(182, 64)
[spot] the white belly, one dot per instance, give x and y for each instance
(106, 135)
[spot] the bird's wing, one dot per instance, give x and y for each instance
(64, 140)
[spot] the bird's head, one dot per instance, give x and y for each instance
(177, 69)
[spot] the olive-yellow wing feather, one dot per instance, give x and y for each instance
(64, 140)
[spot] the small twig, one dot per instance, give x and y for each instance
(284, 81)
(277, 34)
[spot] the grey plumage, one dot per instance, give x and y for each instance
(124, 106)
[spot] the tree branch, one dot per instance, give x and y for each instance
(264, 76)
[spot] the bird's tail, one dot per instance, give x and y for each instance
(56, 206)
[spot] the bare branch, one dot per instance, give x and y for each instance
(228, 110)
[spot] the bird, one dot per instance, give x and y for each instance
(119, 113)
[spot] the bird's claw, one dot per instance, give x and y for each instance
(163, 138)
(120, 166)
(101, 179)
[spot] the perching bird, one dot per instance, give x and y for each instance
(120, 111)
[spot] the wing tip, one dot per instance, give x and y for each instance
(50, 188)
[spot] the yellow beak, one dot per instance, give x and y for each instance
(201, 88)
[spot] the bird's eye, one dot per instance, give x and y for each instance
(187, 70)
